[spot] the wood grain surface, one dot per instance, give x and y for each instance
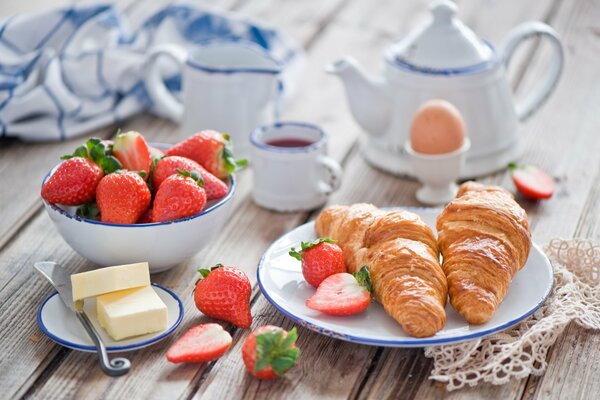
(562, 137)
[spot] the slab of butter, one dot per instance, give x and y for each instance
(110, 279)
(131, 312)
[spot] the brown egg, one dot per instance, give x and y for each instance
(437, 128)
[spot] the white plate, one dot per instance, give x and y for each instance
(281, 281)
(62, 325)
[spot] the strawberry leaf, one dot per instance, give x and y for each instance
(297, 254)
(109, 164)
(195, 175)
(204, 272)
(231, 164)
(363, 278)
(276, 350)
(88, 211)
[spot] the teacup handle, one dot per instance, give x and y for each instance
(333, 175)
(166, 104)
(532, 101)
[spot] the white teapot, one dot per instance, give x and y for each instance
(445, 59)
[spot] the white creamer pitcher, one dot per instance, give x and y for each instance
(229, 86)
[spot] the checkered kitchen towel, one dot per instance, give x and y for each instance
(68, 71)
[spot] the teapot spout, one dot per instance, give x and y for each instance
(368, 98)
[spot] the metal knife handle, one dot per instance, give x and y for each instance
(117, 366)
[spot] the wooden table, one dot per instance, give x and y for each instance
(563, 138)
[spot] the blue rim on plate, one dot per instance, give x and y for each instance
(136, 346)
(414, 342)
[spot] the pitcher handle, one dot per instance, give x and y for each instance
(533, 100)
(166, 104)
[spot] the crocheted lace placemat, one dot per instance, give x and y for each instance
(522, 349)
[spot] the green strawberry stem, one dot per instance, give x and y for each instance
(364, 278)
(205, 271)
(275, 350)
(512, 166)
(297, 254)
(88, 211)
(94, 150)
(194, 175)
(231, 164)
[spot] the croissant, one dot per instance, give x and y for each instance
(484, 238)
(401, 253)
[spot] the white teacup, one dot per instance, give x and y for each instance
(229, 86)
(291, 169)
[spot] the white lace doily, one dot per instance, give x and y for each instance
(522, 349)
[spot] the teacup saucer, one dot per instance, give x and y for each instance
(62, 325)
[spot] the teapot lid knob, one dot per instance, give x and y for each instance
(443, 10)
(442, 43)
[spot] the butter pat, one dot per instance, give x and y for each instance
(131, 312)
(111, 279)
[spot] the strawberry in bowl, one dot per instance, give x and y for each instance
(108, 206)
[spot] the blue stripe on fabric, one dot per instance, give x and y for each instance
(6, 101)
(99, 74)
(52, 31)
(61, 112)
(11, 46)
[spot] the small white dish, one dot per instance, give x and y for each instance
(162, 244)
(62, 326)
(438, 173)
(281, 281)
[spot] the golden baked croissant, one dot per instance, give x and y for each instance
(484, 238)
(401, 253)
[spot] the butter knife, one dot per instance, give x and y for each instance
(61, 281)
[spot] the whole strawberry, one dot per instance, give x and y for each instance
(122, 197)
(167, 166)
(343, 294)
(320, 258)
(270, 351)
(224, 293)
(179, 196)
(202, 343)
(75, 180)
(210, 149)
(133, 152)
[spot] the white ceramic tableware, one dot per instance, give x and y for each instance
(292, 178)
(162, 244)
(228, 86)
(62, 326)
(438, 173)
(281, 281)
(445, 59)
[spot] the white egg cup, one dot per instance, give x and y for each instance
(438, 173)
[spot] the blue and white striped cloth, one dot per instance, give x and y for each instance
(68, 71)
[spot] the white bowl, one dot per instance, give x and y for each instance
(163, 244)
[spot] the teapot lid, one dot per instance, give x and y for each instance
(443, 43)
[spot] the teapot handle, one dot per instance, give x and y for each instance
(533, 100)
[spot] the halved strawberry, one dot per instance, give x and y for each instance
(343, 294)
(133, 152)
(202, 343)
(210, 149)
(533, 182)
